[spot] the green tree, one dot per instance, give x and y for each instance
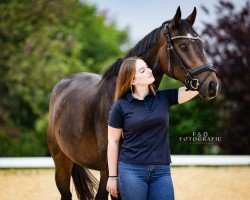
(229, 47)
(41, 42)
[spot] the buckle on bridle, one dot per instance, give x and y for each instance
(194, 83)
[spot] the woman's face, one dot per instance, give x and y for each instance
(143, 74)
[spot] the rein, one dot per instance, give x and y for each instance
(191, 82)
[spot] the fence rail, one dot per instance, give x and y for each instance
(177, 160)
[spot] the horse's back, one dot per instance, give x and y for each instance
(83, 81)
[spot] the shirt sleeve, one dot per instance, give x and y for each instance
(116, 118)
(172, 96)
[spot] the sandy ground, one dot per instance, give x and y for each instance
(190, 183)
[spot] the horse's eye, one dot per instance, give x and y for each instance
(183, 47)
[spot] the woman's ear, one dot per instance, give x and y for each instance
(133, 82)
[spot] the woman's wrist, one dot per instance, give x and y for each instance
(112, 176)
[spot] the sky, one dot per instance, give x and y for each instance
(142, 16)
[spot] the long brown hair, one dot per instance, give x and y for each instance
(125, 76)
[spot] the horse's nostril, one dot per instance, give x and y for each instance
(212, 85)
(212, 88)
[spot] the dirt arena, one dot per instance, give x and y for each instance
(190, 183)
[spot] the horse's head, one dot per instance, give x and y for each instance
(182, 56)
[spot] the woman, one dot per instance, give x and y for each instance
(140, 115)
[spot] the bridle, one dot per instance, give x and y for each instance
(191, 82)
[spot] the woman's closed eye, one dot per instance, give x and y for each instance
(143, 69)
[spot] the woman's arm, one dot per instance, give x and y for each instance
(184, 96)
(114, 135)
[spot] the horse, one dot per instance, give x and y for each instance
(80, 103)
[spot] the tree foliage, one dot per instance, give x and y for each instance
(228, 46)
(41, 42)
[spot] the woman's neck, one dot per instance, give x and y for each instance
(140, 92)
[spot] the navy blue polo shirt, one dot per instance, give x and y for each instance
(145, 126)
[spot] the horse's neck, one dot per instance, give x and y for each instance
(152, 58)
(106, 89)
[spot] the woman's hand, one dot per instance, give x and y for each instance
(112, 187)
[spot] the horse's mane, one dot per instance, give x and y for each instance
(143, 46)
(139, 49)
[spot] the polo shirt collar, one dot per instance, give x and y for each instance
(130, 97)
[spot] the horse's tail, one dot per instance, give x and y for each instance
(85, 183)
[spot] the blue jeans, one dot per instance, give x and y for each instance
(145, 182)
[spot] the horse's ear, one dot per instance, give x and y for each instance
(191, 18)
(176, 18)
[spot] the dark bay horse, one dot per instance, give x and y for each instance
(80, 103)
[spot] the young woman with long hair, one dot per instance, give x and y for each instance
(139, 166)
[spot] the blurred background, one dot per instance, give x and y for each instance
(41, 42)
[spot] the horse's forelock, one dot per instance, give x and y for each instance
(184, 28)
